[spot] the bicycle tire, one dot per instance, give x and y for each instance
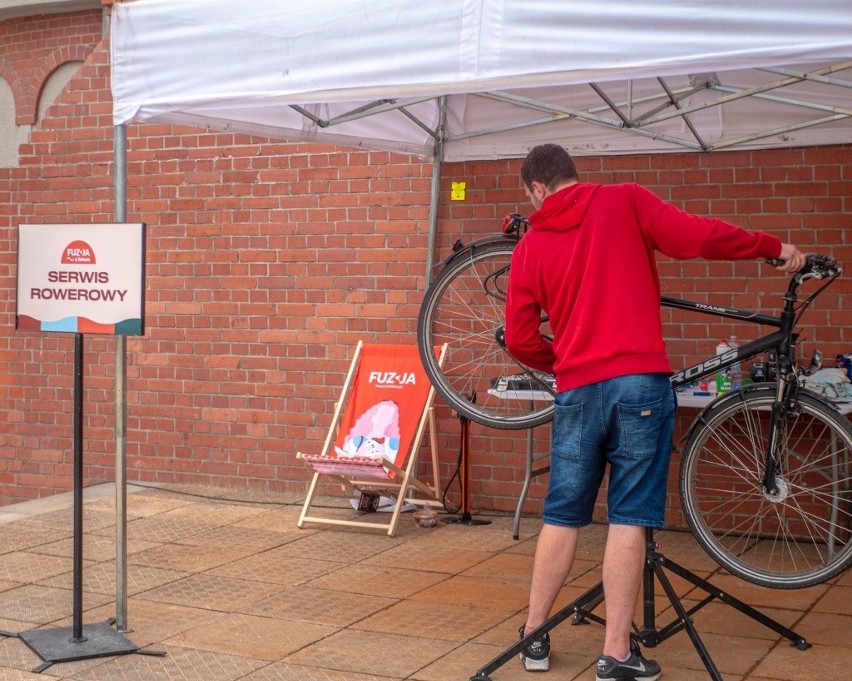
(464, 307)
(801, 536)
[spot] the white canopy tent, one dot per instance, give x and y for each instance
(491, 78)
(475, 79)
(482, 79)
(453, 80)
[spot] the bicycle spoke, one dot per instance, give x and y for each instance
(464, 307)
(801, 533)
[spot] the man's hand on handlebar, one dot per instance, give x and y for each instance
(793, 258)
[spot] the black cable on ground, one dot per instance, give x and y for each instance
(447, 487)
(180, 492)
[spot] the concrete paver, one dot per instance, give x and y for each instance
(234, 591)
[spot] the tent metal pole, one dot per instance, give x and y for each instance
(435, 196)
(120, 384)
(119, 374)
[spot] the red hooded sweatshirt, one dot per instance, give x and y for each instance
(588, 263)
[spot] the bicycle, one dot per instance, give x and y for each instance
(766, 473)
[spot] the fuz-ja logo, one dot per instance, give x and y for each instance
(78, 253)
(393, 378)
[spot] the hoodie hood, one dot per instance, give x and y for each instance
(566, 208)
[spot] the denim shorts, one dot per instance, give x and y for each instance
(627, 422)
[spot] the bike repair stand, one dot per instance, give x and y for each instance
(66, 644)
(649, 635)
(464, 476)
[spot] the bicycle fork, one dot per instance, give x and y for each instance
(781, 405)
(780, 408)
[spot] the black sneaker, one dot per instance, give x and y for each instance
(536, 656)
(635, 668)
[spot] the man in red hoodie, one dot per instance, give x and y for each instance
(588, 263)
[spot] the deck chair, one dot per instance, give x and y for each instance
(376, 433)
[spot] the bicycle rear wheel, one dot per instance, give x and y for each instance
(800, 536)
(464, 307)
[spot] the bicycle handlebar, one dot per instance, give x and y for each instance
(816, 267)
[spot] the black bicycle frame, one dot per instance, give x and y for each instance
(782, 341)
(772, 341)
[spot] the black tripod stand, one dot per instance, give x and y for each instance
(648, 634)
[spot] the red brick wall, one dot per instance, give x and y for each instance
(266, 261)
(803, 196)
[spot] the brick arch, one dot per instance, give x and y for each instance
(8, 74)
(28, 109)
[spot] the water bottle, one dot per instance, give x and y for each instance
(723, 376)
(736, 369)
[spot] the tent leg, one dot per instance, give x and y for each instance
(120, 388)
(435, 196)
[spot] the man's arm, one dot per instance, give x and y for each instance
(682, 235)
(523, 325)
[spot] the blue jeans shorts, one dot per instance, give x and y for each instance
(626, 422)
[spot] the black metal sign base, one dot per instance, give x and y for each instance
(59, 645)
(77, 642)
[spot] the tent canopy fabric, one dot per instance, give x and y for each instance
(491, 78)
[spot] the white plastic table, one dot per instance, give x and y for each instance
(701, 401)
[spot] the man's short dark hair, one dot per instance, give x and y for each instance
(549, 164)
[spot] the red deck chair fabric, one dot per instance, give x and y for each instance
(377, 430)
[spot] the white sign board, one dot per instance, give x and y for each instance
(81, 278)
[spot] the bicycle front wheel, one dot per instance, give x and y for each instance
(797, 537)
(464, 307)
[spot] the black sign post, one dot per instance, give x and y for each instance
(65, 644)
(91, 281)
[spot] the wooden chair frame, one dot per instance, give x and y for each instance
(373, 475)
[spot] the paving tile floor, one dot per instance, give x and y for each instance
(226, 589)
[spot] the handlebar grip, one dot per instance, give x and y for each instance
(821, 266)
